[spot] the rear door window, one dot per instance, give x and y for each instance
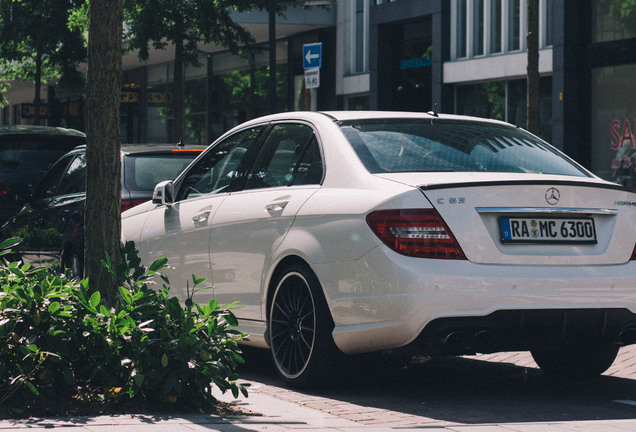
(290, 155)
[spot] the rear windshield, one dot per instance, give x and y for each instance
(32, 156)
(143, 171)
(414, 145)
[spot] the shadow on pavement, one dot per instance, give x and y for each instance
(452, 389)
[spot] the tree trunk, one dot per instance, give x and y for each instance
(103, 177)
(37, 100)
(178, 96)
(532, 113)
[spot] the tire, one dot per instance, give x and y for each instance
(578, 362)
(300, 328)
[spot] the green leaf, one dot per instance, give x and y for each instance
(54, 307)
(125, 295)
(32, 388)
(158, 264)
(95, 299)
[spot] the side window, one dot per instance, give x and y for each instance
(290, 155)
(49, 185)
(215, 171)
(74, 180)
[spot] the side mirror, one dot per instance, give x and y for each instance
(163, 193)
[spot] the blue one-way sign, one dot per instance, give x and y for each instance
(312, 55)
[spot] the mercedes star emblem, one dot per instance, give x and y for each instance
(552, 196)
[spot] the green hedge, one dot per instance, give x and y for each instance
(59, 339)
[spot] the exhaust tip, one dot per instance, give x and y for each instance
(483, 338)
(457, 339)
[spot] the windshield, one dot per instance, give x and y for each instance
(418, 145)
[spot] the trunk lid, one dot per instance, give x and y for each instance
(556, 220)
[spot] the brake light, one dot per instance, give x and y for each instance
(633, 257)
(128, 204)
(415, 232)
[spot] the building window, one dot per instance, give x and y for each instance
(547, 22)
(359, 36)
(486, 27)
(462, 24)
(495, 26)
(514, 25)
(613, 20)
(478, 28)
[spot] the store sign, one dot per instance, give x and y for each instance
(623, 135)
(416, 63)
(27, 110)
(623, 142)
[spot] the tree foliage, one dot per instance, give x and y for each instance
(37, 44)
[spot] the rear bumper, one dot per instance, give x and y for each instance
(386, 301)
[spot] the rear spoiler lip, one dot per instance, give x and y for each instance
(547, 183)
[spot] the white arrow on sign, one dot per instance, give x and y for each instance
(309, 57)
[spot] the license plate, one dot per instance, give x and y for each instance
(547, 230)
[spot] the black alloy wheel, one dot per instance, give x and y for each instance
(300, 328)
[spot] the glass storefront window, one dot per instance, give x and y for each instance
(239, 87)
(506, 100)
(613, 20)
(159, 100)
(614, 124)
(486, 100)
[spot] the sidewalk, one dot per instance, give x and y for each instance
(281, 410)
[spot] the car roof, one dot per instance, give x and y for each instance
(337, 116)
(6, 130)
(132, 149)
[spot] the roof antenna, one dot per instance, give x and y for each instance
(434, 112)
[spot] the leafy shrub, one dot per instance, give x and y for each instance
(57, 337)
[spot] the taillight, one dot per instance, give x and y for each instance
(415, 232)
(633, 257)
(4, 189)
(128, 204)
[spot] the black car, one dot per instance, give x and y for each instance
(26, 153)
(51, 223)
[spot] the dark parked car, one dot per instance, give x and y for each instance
(51, 223)
(26, 153)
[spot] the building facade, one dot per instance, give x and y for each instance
(460, 56)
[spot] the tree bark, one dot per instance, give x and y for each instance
(179, 92)
(103, 176)
(532, 38)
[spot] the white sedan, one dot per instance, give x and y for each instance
(356, 232)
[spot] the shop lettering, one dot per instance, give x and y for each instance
(415, 63)
(622, 136)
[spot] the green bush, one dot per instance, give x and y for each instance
(58, 338)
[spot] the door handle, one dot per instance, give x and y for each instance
(201, 217)
(277, 205)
